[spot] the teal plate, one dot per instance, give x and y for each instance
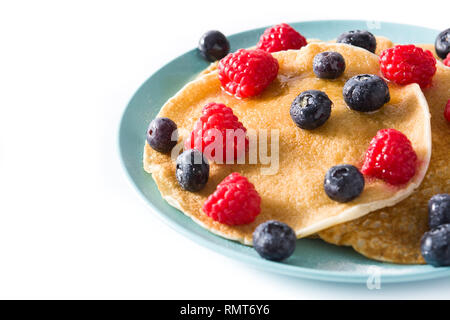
(313, 258)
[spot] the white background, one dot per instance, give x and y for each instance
(71, 225)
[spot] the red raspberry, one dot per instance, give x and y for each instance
(246, 73)
(216, 121)
(234, 202)
(281, 37)
(447, 111)
(405, 64)
(447, 60)
(390, 157)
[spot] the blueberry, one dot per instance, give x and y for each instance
(328, 65)
(435, 246)
(192, 170)
(439, 210)
(343, 183)
(159, 134)
(274, 240)
(311, 109)
(213, 45)
(442, 44)
(359, 38)
(366, 93)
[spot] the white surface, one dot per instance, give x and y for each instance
(71, 225)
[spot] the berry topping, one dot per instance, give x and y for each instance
(192, 170)
(435, 246)
(234, 202)
(246, 73)
(311, 109)
(359, 38)
(442, 44)
(213, 45)
(447, 111)
(343, 183)
(281, 37)
(390, 157)
(405, 64)
(366, 93)
(218, 134)
(162, 134)
(328, 65)
(274, 240)
(439, 210)
(447, 60)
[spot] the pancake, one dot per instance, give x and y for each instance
(383, 43)
(393, 234)
(295, 195)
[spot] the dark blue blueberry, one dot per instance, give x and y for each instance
(162, 135)
(274, 240)
(343, 183)
(213, 45)
(442, 44)
(311, 109)
(192, 170)
(366, 93)
(328, 65)
(435, 246)
(439, 210)
(359, 38)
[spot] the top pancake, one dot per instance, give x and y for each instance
(393, 234)
(295, 194)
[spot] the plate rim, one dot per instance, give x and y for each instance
(266, 265)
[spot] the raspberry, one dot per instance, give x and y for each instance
(390, 157)
(217, 121)
(281, 37)
(447, 60)
(234, 202)
(447, 111)
(406, 64)
(246, 73)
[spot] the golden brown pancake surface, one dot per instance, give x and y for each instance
(295, 193)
